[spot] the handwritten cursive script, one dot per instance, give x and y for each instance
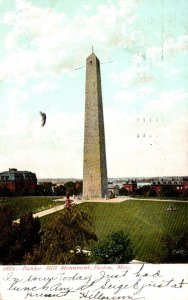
(124, 283)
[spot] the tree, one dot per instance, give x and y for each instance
(47, 188)
(43, 189)
(78, 187)
(168, 191)
(123, 192)
(30, 233)
(71, 229)
(174, 249)
(6, 219)
(70, 188)
(115, 249)
(151, 193)
(143, 190)
(5, 192)
(17, 239)
(185, 193)
(59, 190)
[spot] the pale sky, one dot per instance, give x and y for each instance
(145, 87)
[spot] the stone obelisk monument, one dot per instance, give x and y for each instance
(95, 184)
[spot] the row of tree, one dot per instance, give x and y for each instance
(148, 191)
(47, 189)
(75, 188)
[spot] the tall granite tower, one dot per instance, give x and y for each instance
(95, 182)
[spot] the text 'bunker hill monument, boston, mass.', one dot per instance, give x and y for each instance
(95, 183)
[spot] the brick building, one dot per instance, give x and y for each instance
(185, 183)
(178, 186)
(18, 182)
(130, 185)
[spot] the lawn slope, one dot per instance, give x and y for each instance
(145, 221)
(22, 205)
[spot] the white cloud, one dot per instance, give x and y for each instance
(175, 145)
(38, 33)
(133, 77)
(44, 86)
(56, 146)
(86, 7)
(124, 97)
(163, 142)
(168, 101)
(146, 90)
(19, 65)
(170, 48)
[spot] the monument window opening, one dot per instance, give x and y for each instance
(90, 62)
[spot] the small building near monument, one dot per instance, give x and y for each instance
(113, 189)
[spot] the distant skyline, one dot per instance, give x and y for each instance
(143, 48)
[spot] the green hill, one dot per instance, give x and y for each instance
(22, 205)
(145, 221)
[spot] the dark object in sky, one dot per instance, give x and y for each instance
(43, 115)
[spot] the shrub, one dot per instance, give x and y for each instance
(115, 249)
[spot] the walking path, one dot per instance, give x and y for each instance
(49, 211)
(57, 208)
(46, 212)
(101, 200)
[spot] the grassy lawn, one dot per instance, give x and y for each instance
(22, 205)
(145, 221)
